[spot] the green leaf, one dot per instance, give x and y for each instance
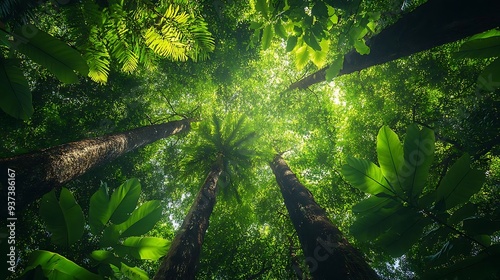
(123, 201)
(301, 57)
(452, 248)
(142, 220)
(311, 40)
(403, 234)
(291, 43)
(143, 248)
(373, 224)
(466, 211)
(366, 176)
(460, 183)
(373, 204)
(255, 25)
(104, 256)
(391, 157)
(15, 95)
(98, 210)
(53, 54)
(261, 6)
(334, 69)
(418, 157)
(483, 46)
(489, 79)
(280, 30)
(110, 236)
(56, 266)
(133, 273)
(267, 37)
(64, 218)
(361, 47)
(479, 226)
(320, 10)
(319, 57)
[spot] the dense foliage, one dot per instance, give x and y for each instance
(425, 207)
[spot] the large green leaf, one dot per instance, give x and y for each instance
(98, 210)
(390, 157)
(373, 204)
(142, 220)
(418, 157)
(104, 256)
(366, 176)
(372, 225)
(460, 183)
(58, 267)
(15, 95)
(124, 200)
(127, 272)
(479, 226)
(64, 218)
(267, 36)
(53, 54)
(466, 211)
(404, 233)
(483, 45)
(143, 248)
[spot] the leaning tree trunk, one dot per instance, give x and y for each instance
(328, 254)
(432, 24)
(39, 172)
(184, 253)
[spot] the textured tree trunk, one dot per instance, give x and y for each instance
(434, 23)
(39, 172)
(328, 254)
(184, 253)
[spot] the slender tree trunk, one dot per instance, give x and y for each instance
(184, 253)
(39, 172)
(328, 254)
(434, 23)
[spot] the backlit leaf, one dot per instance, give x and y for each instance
(15, 95)
(390, 157)
(366, 176)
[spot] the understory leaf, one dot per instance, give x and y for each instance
(15, 95)
(56, 266)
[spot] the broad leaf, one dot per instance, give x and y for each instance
(142, 220)
(479, 226)
(124, 200)
(334, 69)
(390, 157)
(452, 248)
(15, 95)
(366, 176)
(372, 225)
(98, 210)
(374, 204)
(104, 256)
(460, 183)
(484, 47)
(143, 248)
(64, 218)
(302, 57)
(403, 234)
(466, 211)
(361, 47)
(53, 54)
(280, 30)
(291, 43)
(56, 266)
(262, 7)
(489, 79)
(418, 157)
(267, 36)
(127, 272)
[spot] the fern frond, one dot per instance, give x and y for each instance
(166, 44)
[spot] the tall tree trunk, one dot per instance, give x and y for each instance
(184, 253)
(434, 23)
(328, 254)
(39, 172)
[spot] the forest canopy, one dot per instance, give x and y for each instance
(262, 139)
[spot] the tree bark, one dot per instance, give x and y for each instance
(184, 253)
(328, 254)
(432, 24)
(39, 172)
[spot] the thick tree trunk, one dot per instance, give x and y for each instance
(328, 254)
(39, 172)
(434, 23)
(184, 253)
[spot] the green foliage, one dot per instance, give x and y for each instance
(56, 56)
(63, 218)
(55, 266)
(484, 45)
(120, 222)
(403, 210)
(15, 95)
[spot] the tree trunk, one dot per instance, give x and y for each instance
(184, 253)
(328, 254)
(432, 24)
(39, 172)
